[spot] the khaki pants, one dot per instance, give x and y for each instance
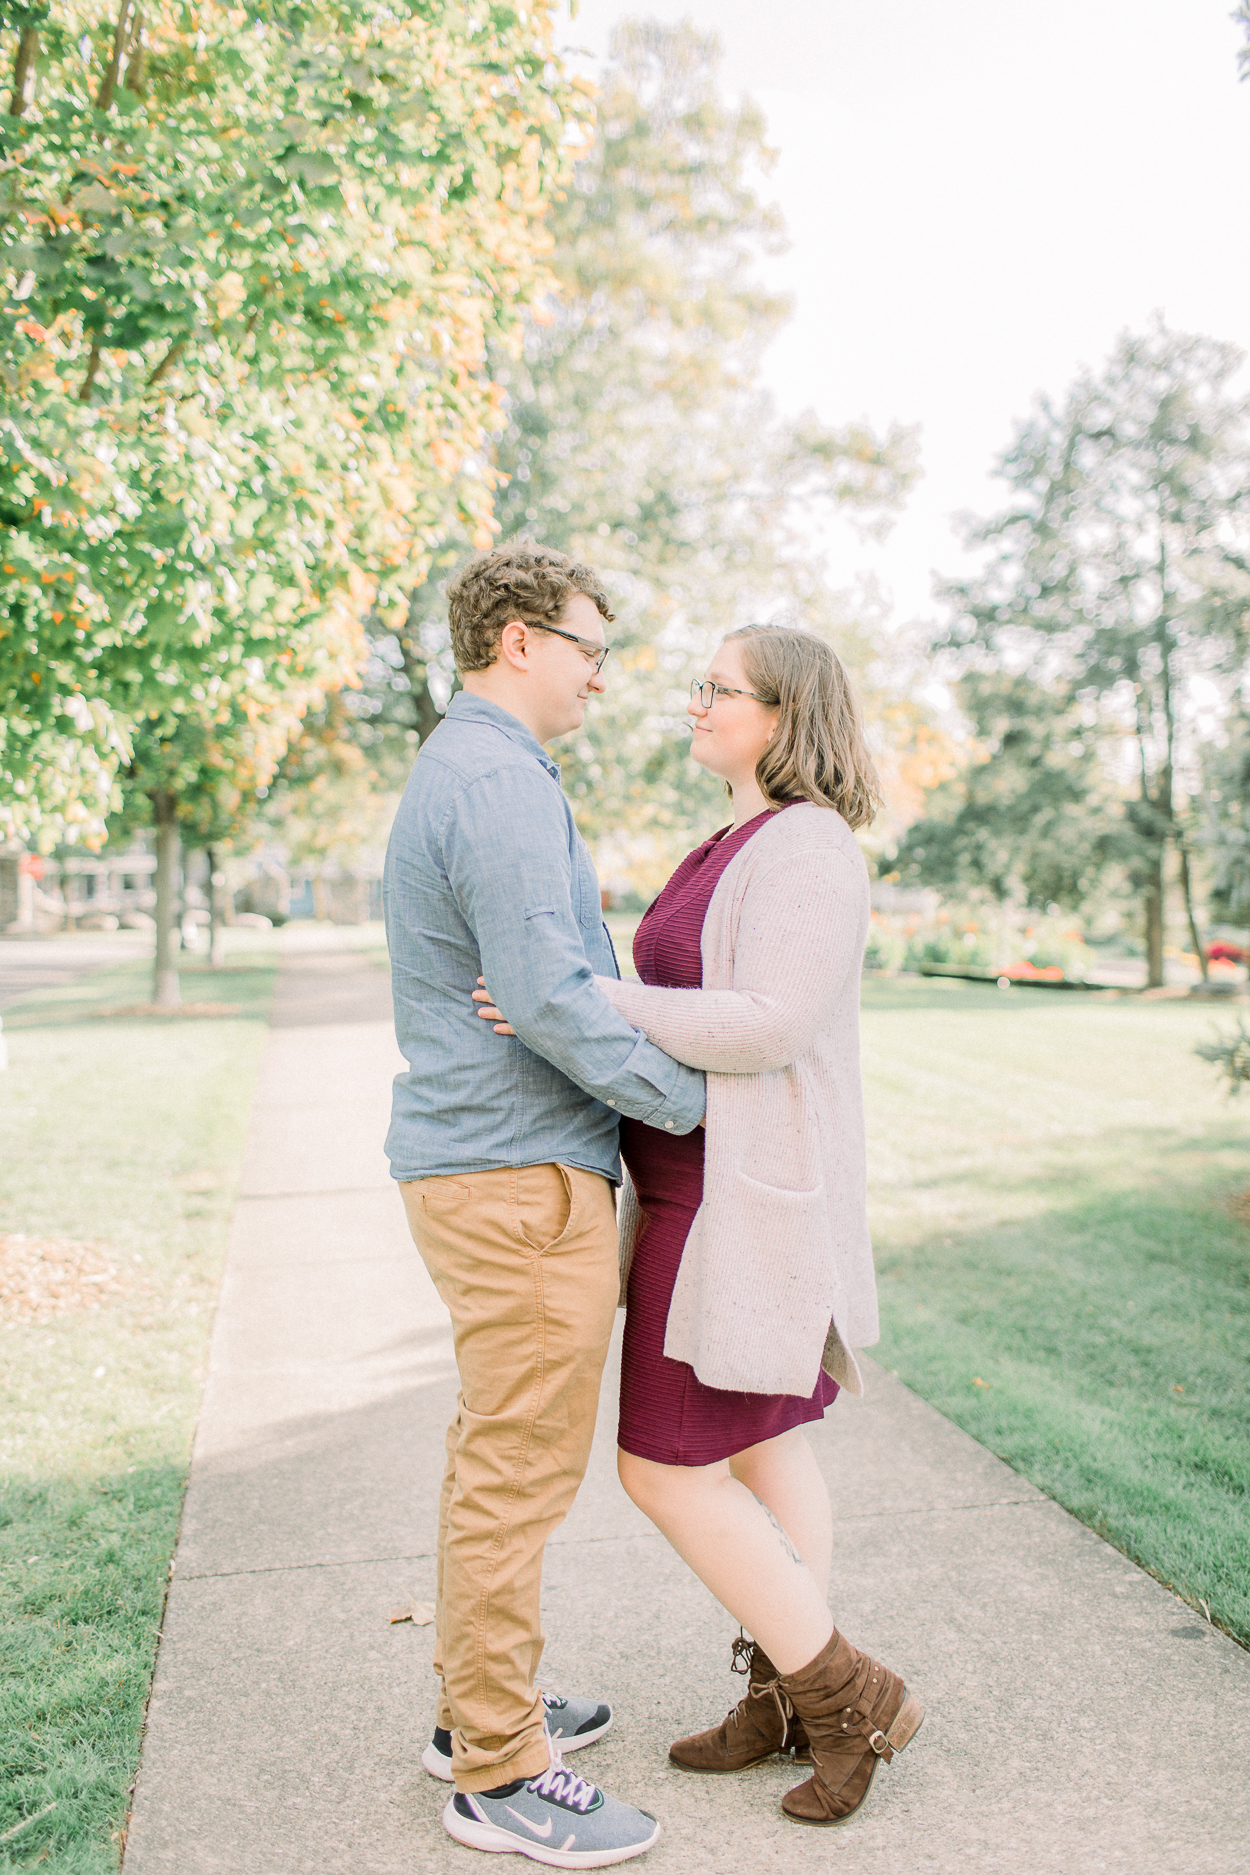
(525, 1260)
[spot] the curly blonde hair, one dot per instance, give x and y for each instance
(817, 752)
(518, 581)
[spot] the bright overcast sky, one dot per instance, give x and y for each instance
(980, 196)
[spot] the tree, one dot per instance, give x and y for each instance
(1221, 822)
(1029, 820)
(333, 813)
(1121, 569)
(195, 778)
(254, 259)
(636, 434)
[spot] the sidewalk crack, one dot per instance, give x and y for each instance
(575, 1542)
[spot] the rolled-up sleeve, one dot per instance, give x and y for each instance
(505, 847)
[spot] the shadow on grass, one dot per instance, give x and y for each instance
(956, 993)
(84, 1566)
(1103, 1350)
(951, 993)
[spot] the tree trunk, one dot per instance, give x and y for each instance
(165, 990)
(1187, 895)
(216, 920)
(25, 898)
(24, 70)
(93, 366)
(125, 44)
(168, 362)
(415, 670)
(1153, 906)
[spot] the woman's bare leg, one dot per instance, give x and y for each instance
(783, 1474)
(738, 1548)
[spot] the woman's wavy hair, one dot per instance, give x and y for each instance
(817, 752)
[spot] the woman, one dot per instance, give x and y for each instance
(745, 1248)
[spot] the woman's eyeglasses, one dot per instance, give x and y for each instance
(595, 653)
(707, 693)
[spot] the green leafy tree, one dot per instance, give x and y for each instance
(196, 778)
(1030, 820)
(1220, 819)
(637, 435)
(254, 258)
(1120, 569)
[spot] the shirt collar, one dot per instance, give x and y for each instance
(464, 707)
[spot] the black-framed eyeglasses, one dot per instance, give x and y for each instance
(707, 693)
(587, 646)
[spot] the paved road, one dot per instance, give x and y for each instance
(1079, 1716)
(28, 964)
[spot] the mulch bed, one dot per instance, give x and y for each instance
(44, 1277)
(160, 1009)
(1239, 1205)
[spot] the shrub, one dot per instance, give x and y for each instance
(886, 949)
(956, 950)
(1230, 1053)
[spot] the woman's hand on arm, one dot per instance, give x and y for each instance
(789, 967)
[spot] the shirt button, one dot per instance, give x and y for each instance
(668, 1126)
(611, 1103)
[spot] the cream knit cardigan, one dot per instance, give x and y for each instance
(776, 1278)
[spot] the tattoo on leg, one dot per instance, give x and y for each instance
(791, 1552)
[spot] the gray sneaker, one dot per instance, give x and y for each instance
(557, 1818)
(572, 1723)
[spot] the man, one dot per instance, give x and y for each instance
(506, 1153)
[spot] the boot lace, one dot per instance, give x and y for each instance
(742, 1662)
(742, 1652)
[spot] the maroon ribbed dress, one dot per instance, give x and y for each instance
(667, 1414)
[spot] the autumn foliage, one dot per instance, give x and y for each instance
(252, 258)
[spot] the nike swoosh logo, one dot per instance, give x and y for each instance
(539, 1829)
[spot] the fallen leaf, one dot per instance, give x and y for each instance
(419, 1613)
(978, 1382)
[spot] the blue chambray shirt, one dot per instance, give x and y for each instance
(487, 875)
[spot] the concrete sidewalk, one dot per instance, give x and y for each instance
(1079, 1716)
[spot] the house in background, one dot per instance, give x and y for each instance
(79, 892)
(108, 890)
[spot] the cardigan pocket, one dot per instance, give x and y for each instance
(779, 1218)
(781, 1280)
(783, 1194)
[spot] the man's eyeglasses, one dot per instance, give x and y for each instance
(707, 693)
(587, 647)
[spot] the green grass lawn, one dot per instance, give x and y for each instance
(1060, 1272)
(126, 1134)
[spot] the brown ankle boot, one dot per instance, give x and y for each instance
(759, 1725)
(855, 1712)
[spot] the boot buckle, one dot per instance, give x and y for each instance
(881, 1745)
